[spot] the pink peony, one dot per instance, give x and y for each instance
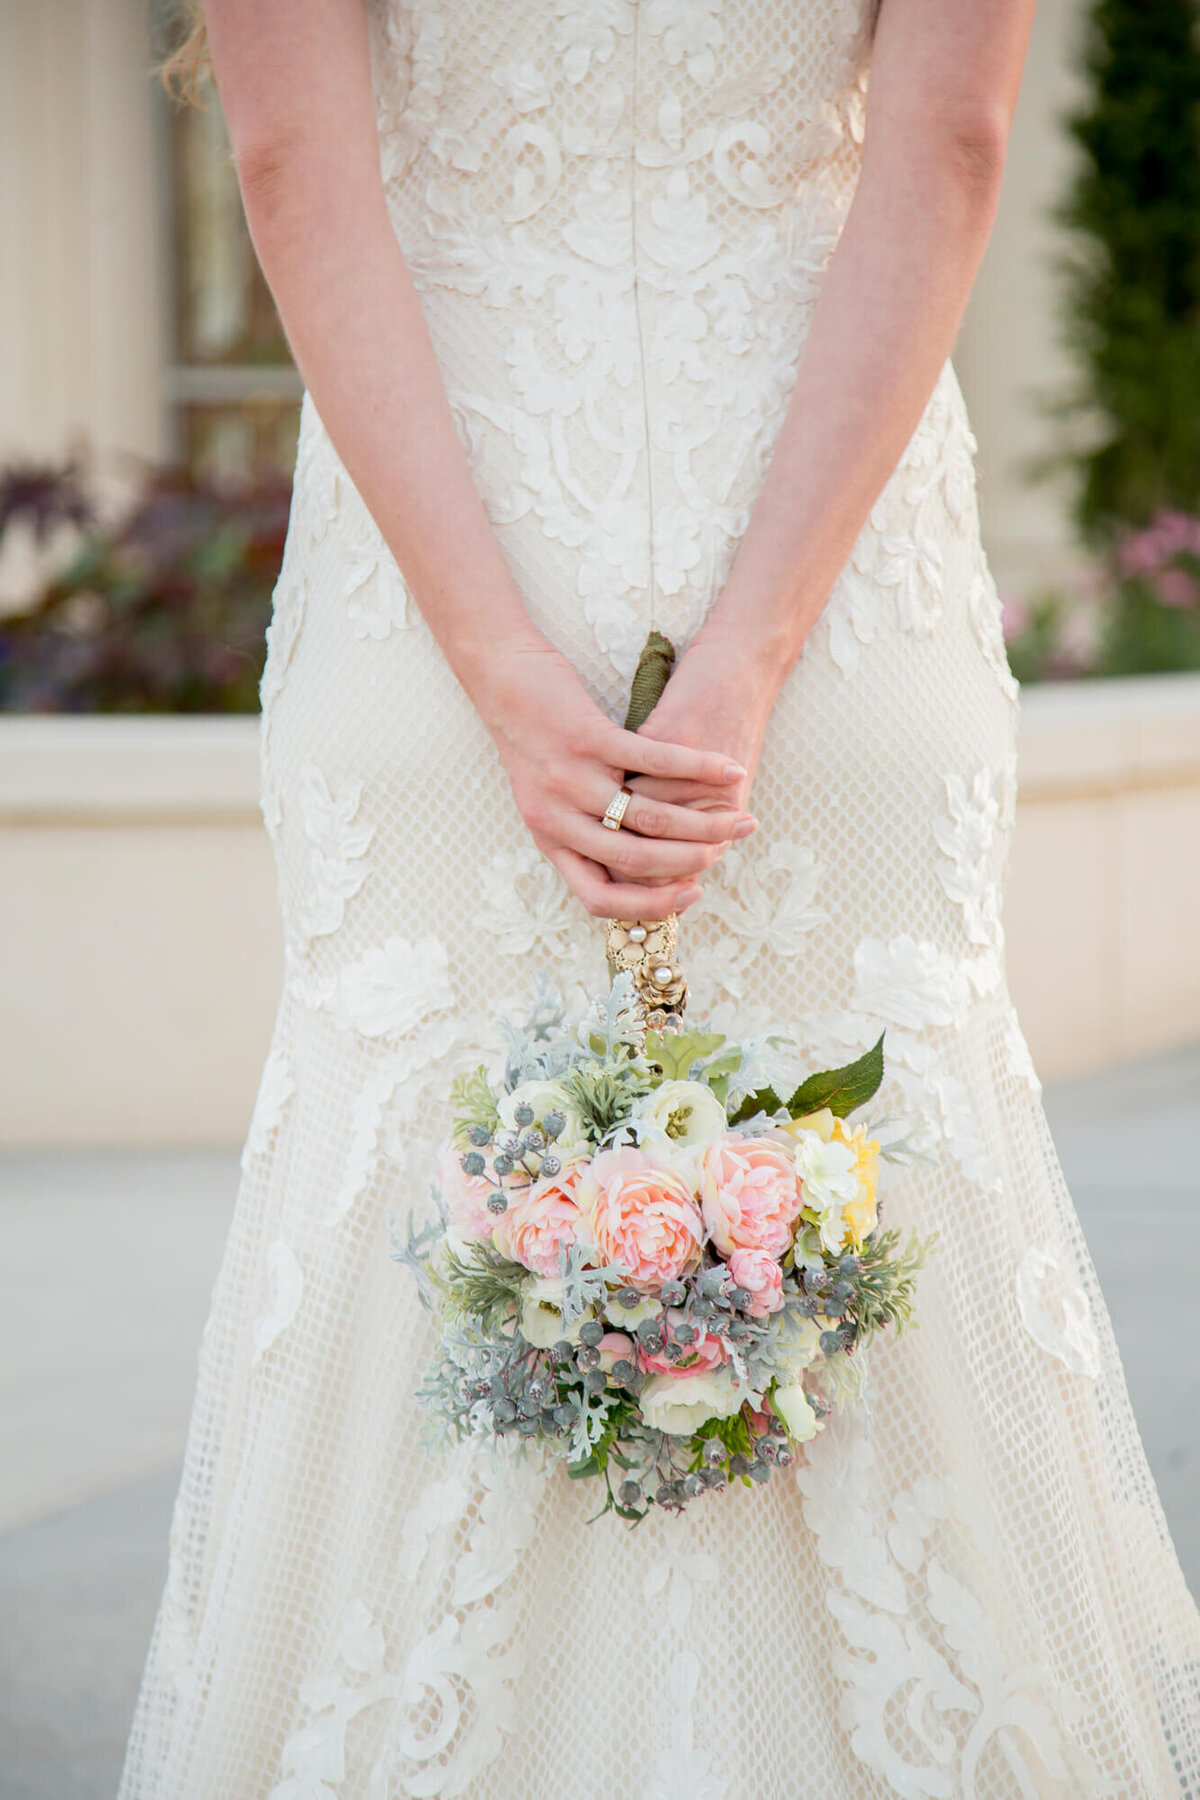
(542, 1221)
(706, 1351)
(465, 1196)
(758, 1272)
(750, 1194)
(643, 1214)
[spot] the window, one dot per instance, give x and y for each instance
(231, 389)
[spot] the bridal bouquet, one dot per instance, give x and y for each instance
(648, 1264)
(643, 1259)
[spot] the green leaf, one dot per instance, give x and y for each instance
(841, 1090)
(676, 1051)
(579, 1471)
(473, 1102)
(765, 1100)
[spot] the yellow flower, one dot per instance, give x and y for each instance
(859, 1214)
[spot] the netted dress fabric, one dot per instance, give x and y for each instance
(966, 1590)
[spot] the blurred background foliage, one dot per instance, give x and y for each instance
(1131, 320)
(164, 611)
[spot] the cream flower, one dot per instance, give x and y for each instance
(628, 1318)
(544, 1097)
(680, 1404)
(688, 1113)
(794, 1408)
(796, 1341)
(541, 1313)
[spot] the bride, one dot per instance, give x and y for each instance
(616, 314)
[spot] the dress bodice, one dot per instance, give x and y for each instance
(617, 213)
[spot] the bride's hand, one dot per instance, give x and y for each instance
(566, 759)
(718, 698)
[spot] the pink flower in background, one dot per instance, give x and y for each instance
(542, 1221)
(750, 1194)
(643, 1214)
(1014, 615)
(762, 1278)
(1169, 534)
(465, 1196)
(1175, 587)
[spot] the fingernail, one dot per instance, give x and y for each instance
(744, 827)
(734, 772)
(689, 895)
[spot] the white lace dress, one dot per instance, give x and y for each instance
(967, 1588)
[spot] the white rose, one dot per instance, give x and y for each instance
(680, 1404)
(628, 1318)
(545, 1097)
(794, 1408)
(687, 1113)
(541, 1314)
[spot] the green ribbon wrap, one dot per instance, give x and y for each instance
(649, 679)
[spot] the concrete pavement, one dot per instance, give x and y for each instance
(97, 1353)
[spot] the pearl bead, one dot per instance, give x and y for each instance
(637, 934)
(664, 975)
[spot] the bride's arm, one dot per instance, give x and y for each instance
(940, 99)
(295, 83)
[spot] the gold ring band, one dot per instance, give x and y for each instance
(616, 809)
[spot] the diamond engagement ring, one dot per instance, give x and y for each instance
(616, 809)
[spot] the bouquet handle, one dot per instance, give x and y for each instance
(647, 949)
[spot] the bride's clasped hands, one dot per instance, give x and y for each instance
(565, 760)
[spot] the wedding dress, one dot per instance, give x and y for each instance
(618, 213)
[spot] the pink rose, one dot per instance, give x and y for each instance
(614, 1347)
(758, 1272)
(465, 1196)
(750, 1194)
(643, 1214)
(706, 1351)
(540, 1222)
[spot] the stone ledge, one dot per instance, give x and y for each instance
(109, 768)
(1078, 739)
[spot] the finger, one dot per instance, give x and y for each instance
(673, 762)
(632, 858)
(608, 899)
(650, 818)
(690, 794)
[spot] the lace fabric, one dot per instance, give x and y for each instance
(968, 1592)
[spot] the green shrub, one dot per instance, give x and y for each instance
(165, 613)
